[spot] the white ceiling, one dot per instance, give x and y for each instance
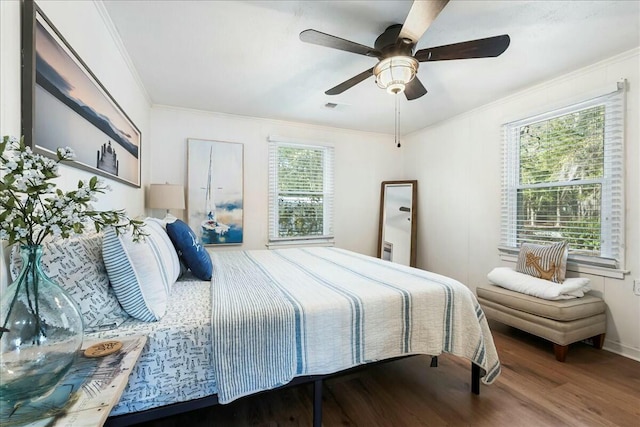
(245, 57)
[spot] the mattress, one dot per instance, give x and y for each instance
(175, 364)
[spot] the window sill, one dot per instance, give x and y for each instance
(577, 267)
(296, 243)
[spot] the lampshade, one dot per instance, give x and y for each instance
(166, 196)
(395, 72)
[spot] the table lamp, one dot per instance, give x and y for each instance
(166, 196)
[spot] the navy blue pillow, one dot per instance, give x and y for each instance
(191, 252)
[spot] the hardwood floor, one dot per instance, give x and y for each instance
(592, 388)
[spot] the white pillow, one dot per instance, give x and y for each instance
(141, 273)
(507, 278)
(167, 254)
(76, 265)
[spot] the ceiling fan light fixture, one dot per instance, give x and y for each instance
(395, 72)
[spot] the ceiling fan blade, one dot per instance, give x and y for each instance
(414, 89)
(327, 40)
(348, 84)
(481, 48)
(421, 15)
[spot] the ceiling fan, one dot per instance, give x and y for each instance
(398, 65)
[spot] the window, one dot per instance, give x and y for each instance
(301, 192)
(563, 180)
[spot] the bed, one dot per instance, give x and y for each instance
(272, 317)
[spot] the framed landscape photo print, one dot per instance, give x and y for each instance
(64, 104)
(215, 193)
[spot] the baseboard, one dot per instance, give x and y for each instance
(622, 350)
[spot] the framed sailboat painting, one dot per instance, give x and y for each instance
(215, 191)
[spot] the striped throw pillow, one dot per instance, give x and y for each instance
(141, 273)
(547, 262)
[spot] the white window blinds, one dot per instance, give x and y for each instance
(300, 191)
(563, 180)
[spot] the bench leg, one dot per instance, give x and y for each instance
(475, 378)
(560, 351)
(598, 341)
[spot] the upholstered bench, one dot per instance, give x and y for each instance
(562, 322)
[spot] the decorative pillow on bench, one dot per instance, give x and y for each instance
(547, 262)
(76, 265)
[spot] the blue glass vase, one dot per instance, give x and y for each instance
(41, 333)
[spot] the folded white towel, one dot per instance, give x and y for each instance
(505, 277)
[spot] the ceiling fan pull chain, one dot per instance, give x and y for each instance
(397, 127)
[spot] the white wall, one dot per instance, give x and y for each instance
(458, 165)
(83, 26)
(362, 161)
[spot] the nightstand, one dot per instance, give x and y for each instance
(87, 393)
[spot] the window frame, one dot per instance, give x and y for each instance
(612, 256)
(328, 171)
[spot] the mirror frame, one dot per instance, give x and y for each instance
(414, 225)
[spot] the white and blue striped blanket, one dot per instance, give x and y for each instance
(278, 314)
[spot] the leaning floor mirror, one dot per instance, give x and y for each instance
(397, 233)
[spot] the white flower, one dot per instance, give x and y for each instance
(35, 176)
(66, 152)
(11, 165)
(56, 230)
(21, 185)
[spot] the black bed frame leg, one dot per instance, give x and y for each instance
(434, 362)
(475, 378)
(317, 403)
